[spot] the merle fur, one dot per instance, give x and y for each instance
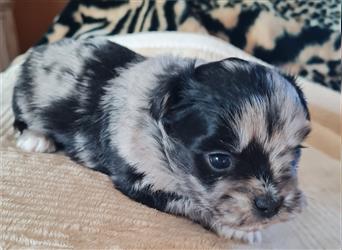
(187, 100)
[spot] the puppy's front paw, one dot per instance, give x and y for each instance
(32, 141)
(251, 237)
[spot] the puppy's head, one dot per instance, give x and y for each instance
(235, 129)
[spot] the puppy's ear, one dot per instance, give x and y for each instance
(208, 69)
(170, 93)
(293, 80)
(160, 101)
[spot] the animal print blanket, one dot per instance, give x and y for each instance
(300, 36)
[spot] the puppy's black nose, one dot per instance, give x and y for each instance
(267, 206)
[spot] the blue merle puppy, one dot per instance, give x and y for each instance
(216, 142)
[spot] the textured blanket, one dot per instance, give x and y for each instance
(300, 36)
(49, 202)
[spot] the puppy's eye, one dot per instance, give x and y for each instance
(220, 161)
(296, 154)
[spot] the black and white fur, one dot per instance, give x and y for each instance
(150, 124)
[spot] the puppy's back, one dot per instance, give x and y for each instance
(66, 70)
(59, 89)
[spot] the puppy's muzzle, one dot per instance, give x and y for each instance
(267, 206)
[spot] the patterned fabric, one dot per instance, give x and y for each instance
(300, 36)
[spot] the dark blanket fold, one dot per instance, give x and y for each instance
(300, 36)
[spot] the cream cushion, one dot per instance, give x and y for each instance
(48, 201)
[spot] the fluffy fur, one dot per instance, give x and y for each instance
(152, 124)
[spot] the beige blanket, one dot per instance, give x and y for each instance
(47, 201)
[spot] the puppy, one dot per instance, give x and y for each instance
(216, 142)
